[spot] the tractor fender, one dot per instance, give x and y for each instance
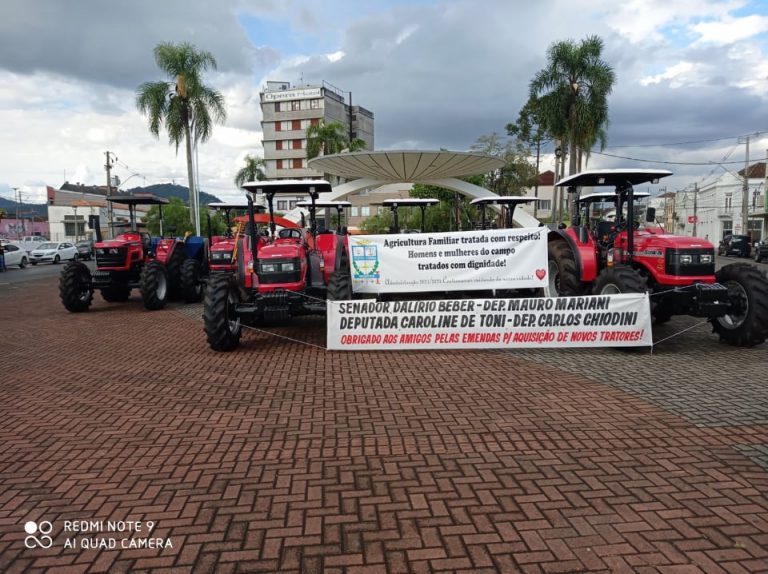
(584, 253)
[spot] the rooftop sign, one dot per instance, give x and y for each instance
(296, 94)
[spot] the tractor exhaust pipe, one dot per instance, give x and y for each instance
(254, 236)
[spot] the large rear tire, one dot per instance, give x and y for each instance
(192, 281)
(340, 286)
(75, 288)
(116, 293)
(173, 270)
(747, 287)
(613, 280)
(220, 322)
(153, 285)
(563, 273)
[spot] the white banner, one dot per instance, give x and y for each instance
(592, 321)
(456, 261)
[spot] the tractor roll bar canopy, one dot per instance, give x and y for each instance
(324, 204)
(506, 200)
(223, 205)
(613, 177)
(132, 200)
(288, 186)
(394, 203)
(409, 202)
(609, 196)
(510, 202)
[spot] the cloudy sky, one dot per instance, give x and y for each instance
(692, 76)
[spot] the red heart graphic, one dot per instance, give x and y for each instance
(541, 273)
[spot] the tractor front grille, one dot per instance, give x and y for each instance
(111, 256)
(690, 262)
(275, 271)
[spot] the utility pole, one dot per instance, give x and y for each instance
(745, 192)
(108, 167)
(695, 207)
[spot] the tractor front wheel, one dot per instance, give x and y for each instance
(563, 274)
(75, 288)
(116, 294)
(220, 320)
(153, 285)
(173, 270)
(747, 323)
(614, 280)
(191, 281)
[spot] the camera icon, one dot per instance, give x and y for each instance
(44, 528)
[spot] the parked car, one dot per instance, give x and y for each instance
(85, 249)
(53, 252)
(738, 245)
(761, 250)
(14, 255)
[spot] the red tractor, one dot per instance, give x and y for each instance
(285, 274)
(623, 256)
(131, 260)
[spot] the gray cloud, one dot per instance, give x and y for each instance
(111, 42)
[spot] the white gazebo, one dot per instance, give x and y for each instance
(439, 168)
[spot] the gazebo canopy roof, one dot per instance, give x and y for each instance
(406, 166)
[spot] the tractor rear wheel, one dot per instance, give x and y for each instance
(191, 281)
(153, 285)
(563, 274)
(75, 289)
(220, 321)
(747, 324)
(116, 293)
(173, 270)
(340, 286)
(614, 280)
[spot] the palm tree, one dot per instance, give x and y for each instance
(325, 139)
(573, 94)
(186, 106)
(253, 170)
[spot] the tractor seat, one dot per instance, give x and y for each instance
(605, 228)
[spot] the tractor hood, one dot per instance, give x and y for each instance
(226, 244)
(281, 250)
(120, 240)
(673, 241)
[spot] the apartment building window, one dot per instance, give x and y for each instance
(314, 122)
(279, 164)
(74, 225)
(365, 211)
(295, 105)
(297, 163)
(278, 126)
(314, 104)
(282, 205)
(279, 145)
(296, 124)
(297, 144)
(545, 204)
(353, 211)
(292, 204)
(728, 200)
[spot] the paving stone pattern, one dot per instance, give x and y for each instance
(282, 457)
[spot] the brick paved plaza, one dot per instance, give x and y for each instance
(283, 457)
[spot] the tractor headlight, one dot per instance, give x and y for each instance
(114, 251)
(101, 251)
(289, 266)
(707, 258)
(269, 267)
(686, 259)
(221, 256)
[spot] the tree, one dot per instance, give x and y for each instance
(516, 175)
(530, 131)
(573, 94)
(188, 108)
(253, 170)
(325, 139)
(177, 220)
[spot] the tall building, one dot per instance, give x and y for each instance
(287, 111)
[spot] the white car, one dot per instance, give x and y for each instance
(53, 252)
(15, 255)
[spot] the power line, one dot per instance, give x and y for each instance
(667, 162)
(673, 143)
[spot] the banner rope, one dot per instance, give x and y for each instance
(284, 337)
(678, 333)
